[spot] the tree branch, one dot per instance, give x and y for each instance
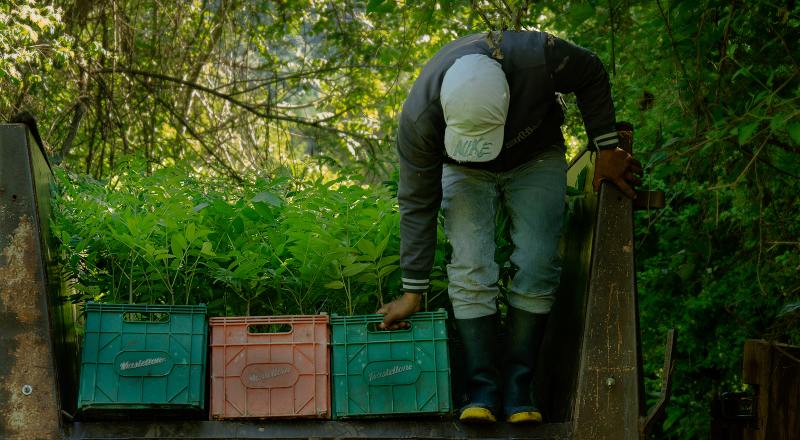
(80, 110)
(675, 48)
(189, 129)
(254, 109)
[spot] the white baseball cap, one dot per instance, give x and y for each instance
(474, 99)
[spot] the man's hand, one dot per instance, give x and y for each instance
(618, 167)
(398, 309)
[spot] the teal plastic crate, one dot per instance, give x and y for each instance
(379, 372)
(143, 357)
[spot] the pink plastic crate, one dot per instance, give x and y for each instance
(270, 367)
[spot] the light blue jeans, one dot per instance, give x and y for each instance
(533, 195)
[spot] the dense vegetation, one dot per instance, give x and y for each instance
(201, 143)
(277, 246)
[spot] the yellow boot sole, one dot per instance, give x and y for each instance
(525, 417)
(477, 415)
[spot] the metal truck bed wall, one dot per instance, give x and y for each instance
(590, 386)
(37, 365)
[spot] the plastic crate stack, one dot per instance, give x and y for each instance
(146, 357)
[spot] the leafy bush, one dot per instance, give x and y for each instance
(270, 246)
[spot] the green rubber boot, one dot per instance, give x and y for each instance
(479, 337)
(525, 333)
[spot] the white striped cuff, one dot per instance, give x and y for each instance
(412, 285)
(606, 141)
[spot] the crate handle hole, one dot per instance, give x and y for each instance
(374, 328)
(145, 317)
(269, 328)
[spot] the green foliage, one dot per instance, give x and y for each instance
(345, 240)
(231, 87)
(275, 246)
(712, 88)
(32, 47)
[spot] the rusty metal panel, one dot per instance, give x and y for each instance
(63, 313)
(556, 379)
(774, 371)
(609, 400)
(297, 429)
(29, 396)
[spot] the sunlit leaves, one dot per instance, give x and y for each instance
(28, 39)
(271, 247)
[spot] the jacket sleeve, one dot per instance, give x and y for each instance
(577, 70)
(419, 195)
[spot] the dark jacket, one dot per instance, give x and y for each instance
(537, 66)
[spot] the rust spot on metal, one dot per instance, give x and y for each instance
(29, 359)
(627, 247)
(18, 273)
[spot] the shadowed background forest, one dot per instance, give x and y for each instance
(241, 154)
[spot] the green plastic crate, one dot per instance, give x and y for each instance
(379, 372)
(143, 357)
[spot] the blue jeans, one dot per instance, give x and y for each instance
(533, 195)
